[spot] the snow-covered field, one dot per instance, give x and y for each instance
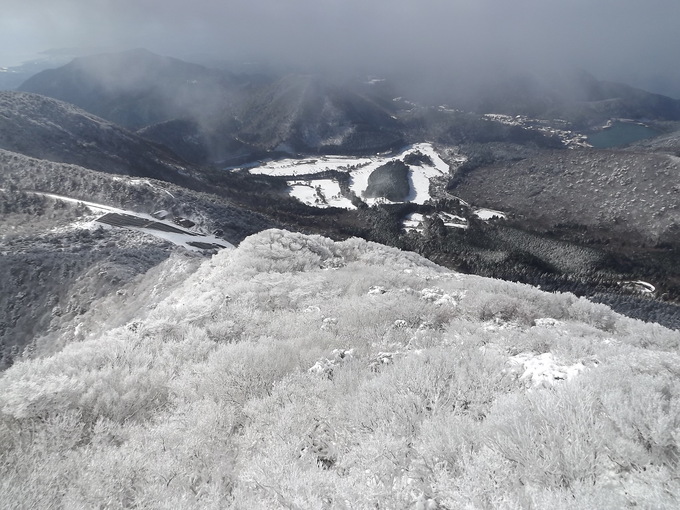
(319, 193)
(415, 221)
(359, 169)
(308, 166)
(487, 214)
(419, 175)
(639, 286)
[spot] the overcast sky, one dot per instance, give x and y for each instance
(635, 41)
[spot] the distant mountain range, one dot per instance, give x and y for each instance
(213, 115)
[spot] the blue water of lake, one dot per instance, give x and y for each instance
(620, 134)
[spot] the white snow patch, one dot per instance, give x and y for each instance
(376, 290)
(547, 323)
(382, 359)
(452, 220)
(325, 366)
(310, 166)
(320, 193)
(640, 286)
(542, 370)
(487, 214)
(414, 221)
(419, 179)
(183, 239)
(498, 324)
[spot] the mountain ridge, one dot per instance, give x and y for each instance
(47, 128)
(294, 363)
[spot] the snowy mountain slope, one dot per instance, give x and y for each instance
(56, 260)
(208, 211)
(138, 89)
(296, 371)
(306, 112)
(45, 128)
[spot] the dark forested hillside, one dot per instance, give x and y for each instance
(45, 128)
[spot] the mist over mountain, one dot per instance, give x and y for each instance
(624, 41)
(207, 115)
(137, 88)
(306, 114)
(574, 95)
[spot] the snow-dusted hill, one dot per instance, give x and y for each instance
(45, 128)
(58, 254)
(297, 372)
(633, 194)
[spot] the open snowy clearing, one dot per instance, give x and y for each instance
(640, 286)
(309, 166)
(320, 193)
(359, 170)
(414, 221)
(419, 175)
(487, 214)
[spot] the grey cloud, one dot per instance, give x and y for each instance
(626, 40)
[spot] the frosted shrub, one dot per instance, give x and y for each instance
(45, 458)
(223, 331)
(205, 400)
(236, 373)
(643, 414)
(431, 382)
(553, 438)
(595, 314)
(447, 441)
(648, 335)
(120, 378)
(486, 307)
(277, 464)
(271, 250)
(326, 366)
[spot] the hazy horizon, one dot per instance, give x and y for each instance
(620, 40)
